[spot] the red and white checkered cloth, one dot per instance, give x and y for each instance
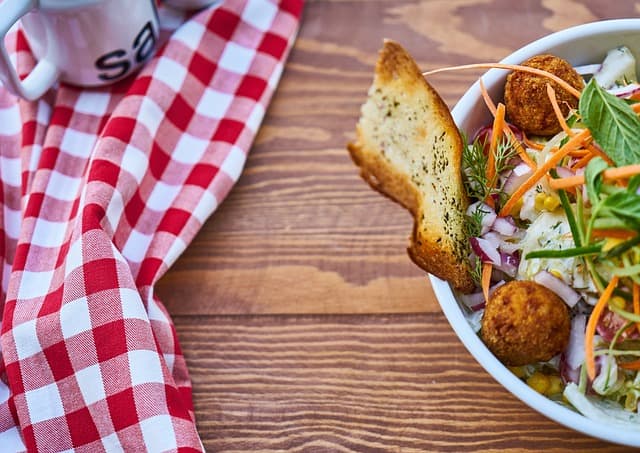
(100, 192)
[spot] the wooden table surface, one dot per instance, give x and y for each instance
(305, 325)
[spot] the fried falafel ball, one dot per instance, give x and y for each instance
(524, 323)
(526, 100)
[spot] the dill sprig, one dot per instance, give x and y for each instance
(475, 161)
(473, 228)
(473, 224)
(476, 270)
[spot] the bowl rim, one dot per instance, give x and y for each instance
(445, 295)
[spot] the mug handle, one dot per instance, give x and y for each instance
(43, 75)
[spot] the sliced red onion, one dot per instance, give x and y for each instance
(558, 286)
(495, 286)
(498, 241)
(509, 263)
(505, 226)
(574, 353)
(488, 214)
(610, 323)
(494, 239)
(485, 251)
(479, 206)
(518, 175)
(516, 131)
(567, 373)
(564, 172)
(510, 247)
(625, 91)
(484, 134)
(587, 69)
(487, 221)
(475, 301)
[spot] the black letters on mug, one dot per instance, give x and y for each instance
(144, 42)
(113, 60)
(117, 60)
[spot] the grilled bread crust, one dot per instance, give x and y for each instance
(409, 149)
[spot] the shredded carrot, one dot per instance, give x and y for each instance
(617, 233)
(583, 162)
(556, 109)
(512, 67)
(565, 183)
(626, 171)
(636, 302)
(531, 144)
(489, 201)
(589, 153)
(496, 132)
(542, 170)
(610, 174)
(634, 365)
(635, 107)
(487, 99)
(505, 127)
(486, 279)
(593, 322)
(579, 153)
(598, 152)
(516, 143)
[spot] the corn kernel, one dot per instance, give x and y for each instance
(611, 243)
(551, 203)
(618, 302)
(518, 206)
(539, 201)
(555, 386)
(556, 273)
(539, 382)
(519, 371)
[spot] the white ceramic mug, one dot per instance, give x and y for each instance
(82, 42)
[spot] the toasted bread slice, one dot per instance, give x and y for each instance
(409, 148)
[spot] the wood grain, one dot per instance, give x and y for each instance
(354, 383)
(359, 356)
(300, 215)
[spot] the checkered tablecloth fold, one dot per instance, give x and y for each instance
(101, 190)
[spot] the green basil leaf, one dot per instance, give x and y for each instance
(613, 124)
(593, 178)
(624, 205)
(605, 223)
(634, 184)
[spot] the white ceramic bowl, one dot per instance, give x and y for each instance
(582, 44)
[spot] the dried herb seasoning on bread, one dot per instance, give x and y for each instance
(409, 148)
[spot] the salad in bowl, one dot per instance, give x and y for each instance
(563, 211)
(556, 201)
(526, 205)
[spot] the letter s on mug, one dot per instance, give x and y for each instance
(113, 60)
